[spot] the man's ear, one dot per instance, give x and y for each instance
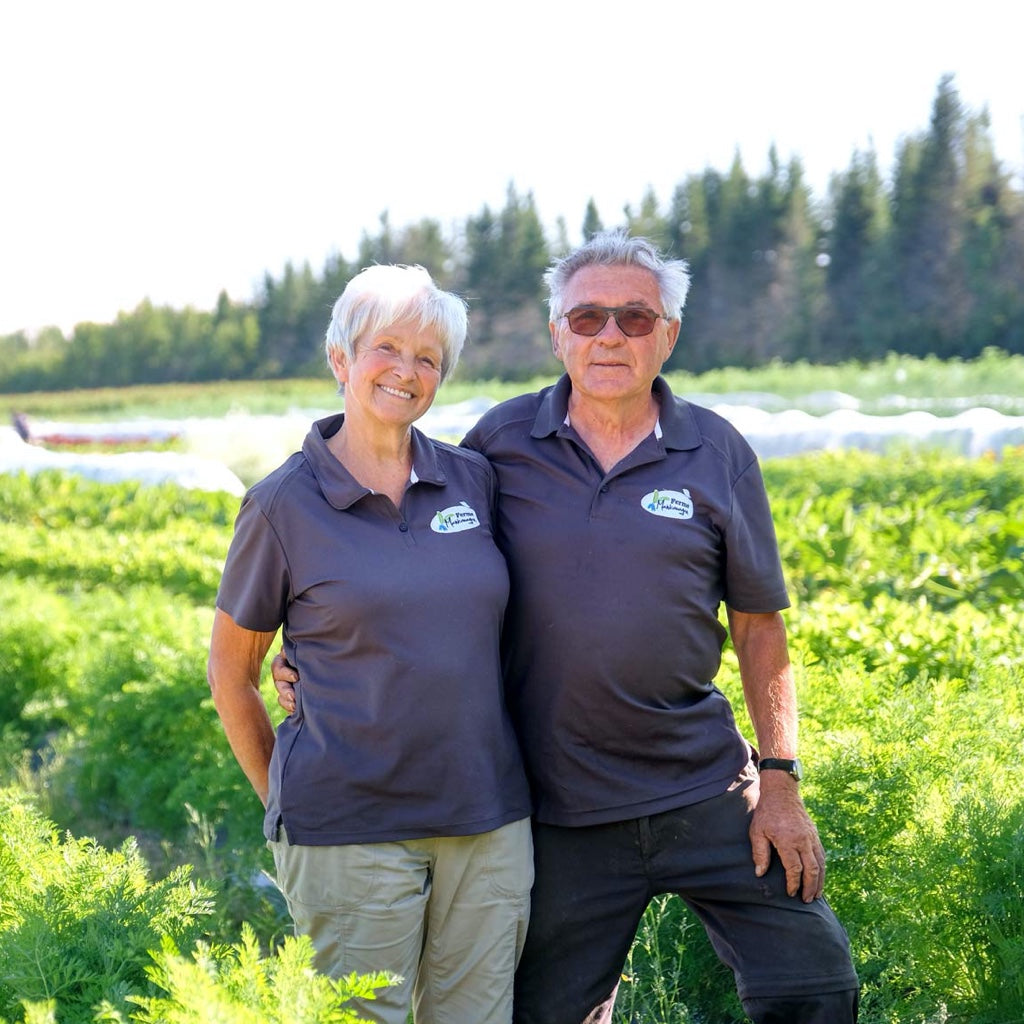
(673, 334)
(553, 328)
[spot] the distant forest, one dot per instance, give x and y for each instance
(930, 262)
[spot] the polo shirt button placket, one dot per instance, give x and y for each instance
(595, 500)
(404, 527)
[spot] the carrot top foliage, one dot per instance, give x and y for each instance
(907, 635)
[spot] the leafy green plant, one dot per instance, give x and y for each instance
(86, 936)
(76, 920)
(56, 501)
(238, 985)
(672, 975)
(88, 535)
(947, 529)
(36, 637)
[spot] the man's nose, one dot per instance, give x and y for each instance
(611, 333)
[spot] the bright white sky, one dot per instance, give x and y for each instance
(169, 150)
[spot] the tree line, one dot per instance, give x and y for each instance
(929, 262)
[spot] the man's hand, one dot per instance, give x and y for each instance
(781, 820)
(285, 678)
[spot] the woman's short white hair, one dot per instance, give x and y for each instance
(387, 294)
(615, 248)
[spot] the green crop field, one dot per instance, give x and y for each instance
(907, 632)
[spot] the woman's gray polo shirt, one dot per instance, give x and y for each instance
(392, 618)
(612, 637)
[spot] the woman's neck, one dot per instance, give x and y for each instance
(379, 459)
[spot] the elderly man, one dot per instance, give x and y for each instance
(628, 516)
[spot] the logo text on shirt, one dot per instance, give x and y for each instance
(455, 519)
(670, 504)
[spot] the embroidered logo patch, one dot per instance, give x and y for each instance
(455, 519)
(670, 504)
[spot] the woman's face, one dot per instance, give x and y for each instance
(394, 376)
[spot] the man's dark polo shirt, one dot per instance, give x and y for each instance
(612, 637)
(392, 618)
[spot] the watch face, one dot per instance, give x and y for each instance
(797, 771)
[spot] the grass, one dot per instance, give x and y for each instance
(995, 379)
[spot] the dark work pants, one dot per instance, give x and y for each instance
(592, 884)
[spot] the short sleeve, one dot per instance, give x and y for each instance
(256, 584)
(754, 580)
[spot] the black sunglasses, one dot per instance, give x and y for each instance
(633, 321)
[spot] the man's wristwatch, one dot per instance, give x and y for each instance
(784, 764)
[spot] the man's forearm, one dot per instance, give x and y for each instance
(767, 676)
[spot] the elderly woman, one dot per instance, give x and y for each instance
(396, 803)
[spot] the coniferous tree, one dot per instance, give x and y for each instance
(379, 248)
(927, 237)
(482, 255)
(856, 324)
(687, 222)
(695, 218)
(789, 311)
(506, 257)
(233, 351)
(560, 246)
(291, 322)
(992, 249)
(929, 263)
(422, 243)
(648, 220)
(524, 250)
(738, 271)
(591, 221)
(688, 232)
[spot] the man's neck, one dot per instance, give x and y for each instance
(612, 430)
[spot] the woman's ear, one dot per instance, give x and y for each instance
(339, 365)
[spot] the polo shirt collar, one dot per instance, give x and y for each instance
(339, 487)
(554, 407)
(676, 421)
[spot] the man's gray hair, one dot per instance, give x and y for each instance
(615, 248)
(387, 294)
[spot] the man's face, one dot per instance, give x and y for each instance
(611, 367)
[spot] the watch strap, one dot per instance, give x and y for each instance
(785, 764)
